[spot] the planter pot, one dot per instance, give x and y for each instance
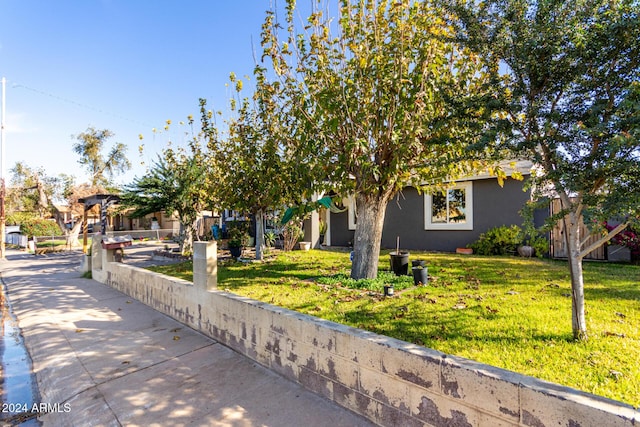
(304, 246)
(420, 275)
(417, 263)
(526, 251)
(236, 251)
(399, 262)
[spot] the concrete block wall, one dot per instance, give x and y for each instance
(391, 382)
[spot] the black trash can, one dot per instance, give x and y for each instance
(399, 262)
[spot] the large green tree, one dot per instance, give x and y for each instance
(101, 167)
(254, 173)
(569, 76)
(381, 98)
(176, 183)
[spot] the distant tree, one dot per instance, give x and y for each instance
(386, 103)
(90, 146)
(254, 173)
(37, 227)
(31, 190)
(568, 74)
(176, 183)
(22, 194)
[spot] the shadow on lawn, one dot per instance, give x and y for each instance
(448, 325)
(629, 292)
(234, 275)
(437, 322)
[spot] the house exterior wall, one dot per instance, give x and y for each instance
(340, 233)
(493, 206)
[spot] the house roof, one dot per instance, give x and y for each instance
(63, 208)
(99, 199)
(522, 167)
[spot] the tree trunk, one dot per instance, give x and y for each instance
(187, 230)
(46, 204)
(572, 235)
(366, 244)
(259, 234)
(72, 238)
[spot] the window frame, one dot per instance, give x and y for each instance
(467, 186)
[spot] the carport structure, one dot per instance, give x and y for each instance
(104, 201)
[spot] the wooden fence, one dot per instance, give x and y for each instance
(559, 245)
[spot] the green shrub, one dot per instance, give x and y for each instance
(238, 237)
(292, 234)
(383, 279)
(18, 218)
(540, 244)
(270, 239)
(40, 227)
(498, 241)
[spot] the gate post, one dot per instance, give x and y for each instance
(205, 265)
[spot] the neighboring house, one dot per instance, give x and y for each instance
(439, 222)
(122, 222)
(66, 215)
(164, 222)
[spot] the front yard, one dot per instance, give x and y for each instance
(509, 312)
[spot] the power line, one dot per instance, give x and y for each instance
(79, 104)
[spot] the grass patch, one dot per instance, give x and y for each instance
(51, 244)
(509, 312)
(385, 278)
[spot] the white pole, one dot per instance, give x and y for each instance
(2, 173)
(4, 107)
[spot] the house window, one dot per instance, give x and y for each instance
(451, 210)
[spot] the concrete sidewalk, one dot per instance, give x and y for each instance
(108, 360)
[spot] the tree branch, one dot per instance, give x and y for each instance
(610, 235)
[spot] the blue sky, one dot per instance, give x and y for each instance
(123, 65)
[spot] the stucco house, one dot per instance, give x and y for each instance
(443, 222)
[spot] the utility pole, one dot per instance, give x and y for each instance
(2, 174)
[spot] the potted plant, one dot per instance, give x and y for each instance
(237, 240)
(399, 260)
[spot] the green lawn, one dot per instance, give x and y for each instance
(51, 243)
(510, 312)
